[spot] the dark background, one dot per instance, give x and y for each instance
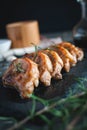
(52, 15)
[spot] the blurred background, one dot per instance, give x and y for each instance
(52, 15)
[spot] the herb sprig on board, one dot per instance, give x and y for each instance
(68, 113)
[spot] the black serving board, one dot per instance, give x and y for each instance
(12, 105)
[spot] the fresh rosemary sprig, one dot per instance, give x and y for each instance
(50, 109)
(37, 48)
(19, 68)
(71, 111)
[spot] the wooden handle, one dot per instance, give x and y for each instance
(23, 34)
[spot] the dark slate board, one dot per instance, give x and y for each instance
(12, 105)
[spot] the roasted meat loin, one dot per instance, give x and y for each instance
(76, 52)
(44, 66)
(24, 73)
(51, 61)
(57, 63)
(67, 58)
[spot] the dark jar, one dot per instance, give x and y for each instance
(80, 30)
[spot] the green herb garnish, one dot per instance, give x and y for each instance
(36, 50)
(19, 68)
(71, 112)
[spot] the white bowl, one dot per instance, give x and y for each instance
(5, 45)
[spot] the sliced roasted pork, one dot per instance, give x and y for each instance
(56, 62)
(44, 65)
(67, 58)
(22, 74)
(77, 53)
